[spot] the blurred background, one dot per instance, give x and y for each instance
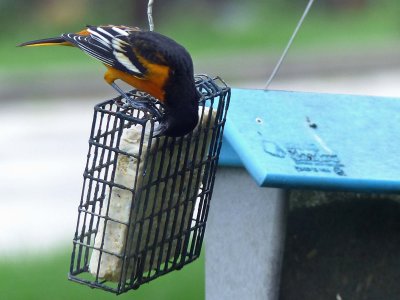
(47, 95)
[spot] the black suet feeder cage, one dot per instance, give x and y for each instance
(145, 199)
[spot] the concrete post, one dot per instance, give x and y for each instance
(244, 238)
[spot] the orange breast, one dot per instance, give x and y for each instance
(153, 83)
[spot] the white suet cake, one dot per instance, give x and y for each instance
(154, 227)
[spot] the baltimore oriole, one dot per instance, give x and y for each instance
(148, 61)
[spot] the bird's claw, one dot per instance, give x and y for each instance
(160, 129)
(139, 103)
(144, 106)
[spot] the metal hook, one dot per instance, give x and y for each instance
(150, 14)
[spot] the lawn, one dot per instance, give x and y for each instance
(262, 27)
(45, 277)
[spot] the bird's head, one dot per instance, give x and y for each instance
(172, 71)
(180, 110)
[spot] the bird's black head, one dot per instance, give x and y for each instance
(181, 112)
(179, 95)
(181, 99)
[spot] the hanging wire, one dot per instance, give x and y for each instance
(150, 14)
(278, 65)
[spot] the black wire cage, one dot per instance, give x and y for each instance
(145, 199)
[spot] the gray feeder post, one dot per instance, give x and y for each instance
(244, 238)
(289, 140)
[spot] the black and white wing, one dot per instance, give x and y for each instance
(110, 45)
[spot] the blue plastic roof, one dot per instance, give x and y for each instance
(326, 141)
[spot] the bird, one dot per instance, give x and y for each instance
(150, 62)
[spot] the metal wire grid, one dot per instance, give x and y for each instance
(158, 236)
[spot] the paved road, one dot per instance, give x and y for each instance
(43, 149)
(42, 155)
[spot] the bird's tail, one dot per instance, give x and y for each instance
(47, 42)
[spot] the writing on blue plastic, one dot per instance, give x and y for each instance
(310, 159)
(307, 159)
(273, 149)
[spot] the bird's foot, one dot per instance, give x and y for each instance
(139, 103)
(160, 129)
(144, 104)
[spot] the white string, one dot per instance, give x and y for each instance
(150, 14)
(278, 65)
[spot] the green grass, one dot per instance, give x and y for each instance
(45, 278)
(259, 27)
(269, 31)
